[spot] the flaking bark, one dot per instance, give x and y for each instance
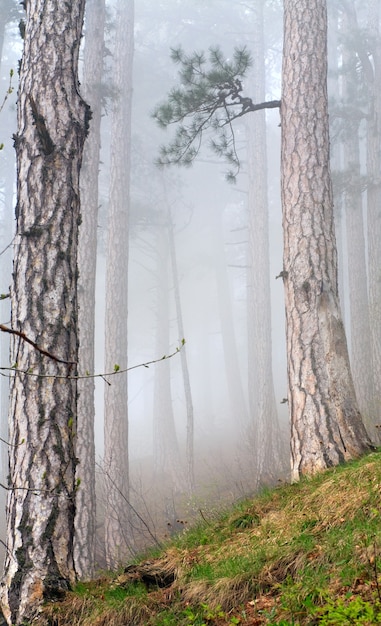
(52, 122)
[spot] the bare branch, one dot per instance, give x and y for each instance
(18, 333)
(116, 371)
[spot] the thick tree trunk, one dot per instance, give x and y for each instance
(116, 417)
(326, 425)
(43, 412)
(85, 520)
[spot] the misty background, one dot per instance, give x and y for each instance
(189, 243)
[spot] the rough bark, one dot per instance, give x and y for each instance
(85, 520)
(326, 425)
(264, 430)
(52, 120)
(116, 419)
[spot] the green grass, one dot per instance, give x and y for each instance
(301, 554)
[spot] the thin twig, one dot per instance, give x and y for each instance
(127, 501)
(29, 372)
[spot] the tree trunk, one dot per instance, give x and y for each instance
(85, 520)
(8, 181)
(264, 430)
(183, 356)
(52, 120)
(372, 72)
(116, 417)
(360, 343)
(166, 447)
(234, 386)
(326, 425)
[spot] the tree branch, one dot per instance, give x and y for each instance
(117, 370)
(208, 99)
(22, 335)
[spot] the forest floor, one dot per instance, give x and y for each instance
(302, 554)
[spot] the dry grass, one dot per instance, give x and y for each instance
(316, 540)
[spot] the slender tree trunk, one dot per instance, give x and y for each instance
(326, 425)
(264, 427)
(334, 86)
(372, 73)
(167, 453)
(360, 344)
(8, 179)
(238, 408)
(183, 356)
(5, 314)
(116, 416)
(358, 286)
(85, 521)
(43, 409)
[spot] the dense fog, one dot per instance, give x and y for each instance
(196, 431)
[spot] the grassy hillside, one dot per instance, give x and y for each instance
(308, 553)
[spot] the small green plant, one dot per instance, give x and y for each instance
(343, 613)
(205, 615)
(193, 617)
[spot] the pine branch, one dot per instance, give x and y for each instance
(210, 98)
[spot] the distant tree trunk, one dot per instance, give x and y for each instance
(9, 174)
(336, 156)
(85, 521)
(326, 425)
(116, 416)
(43, 409)
(372, 72)
(264, 430)
(167, 454)
(236, 396)
(183, 356)
(360, 344)
(7, 183)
